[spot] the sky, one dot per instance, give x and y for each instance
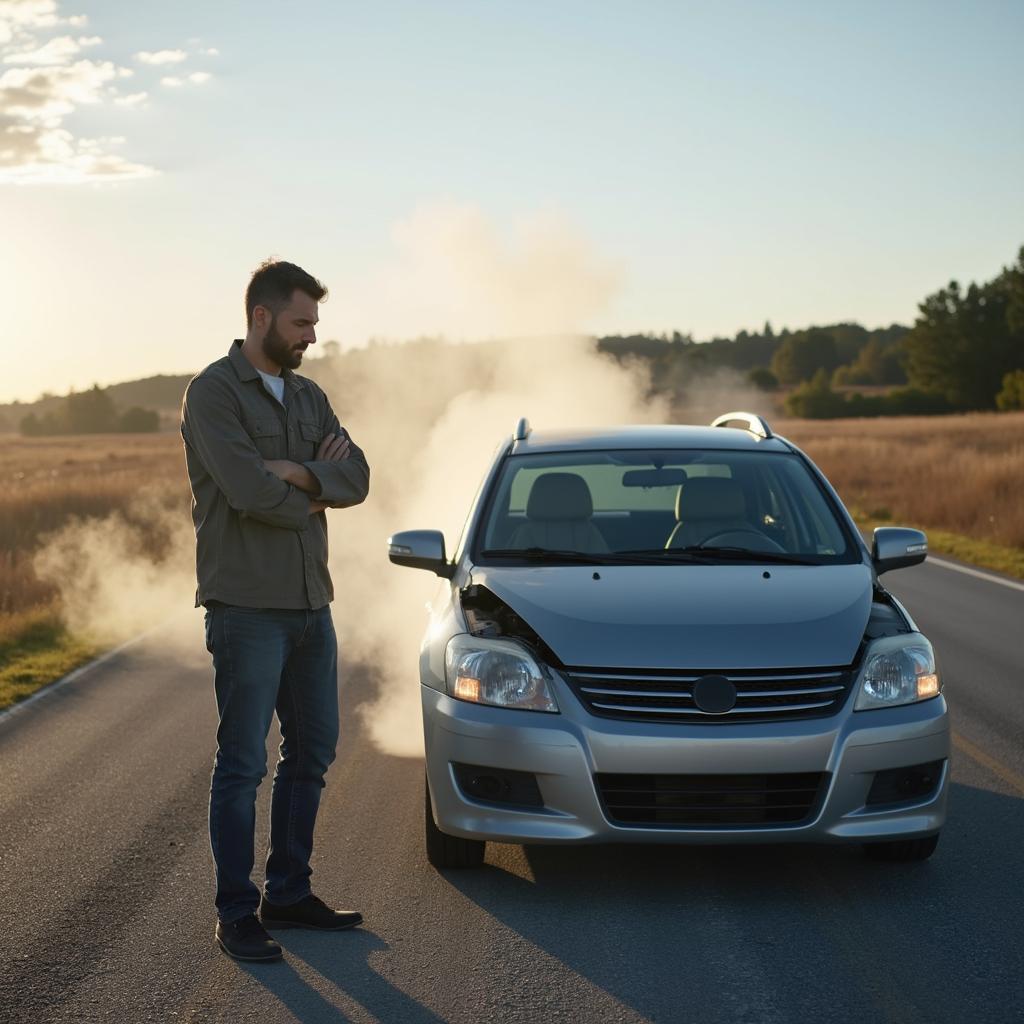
(492, 169)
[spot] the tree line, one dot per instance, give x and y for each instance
(964, 352)
(90, 412)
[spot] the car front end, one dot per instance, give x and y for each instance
(576, 774)
(708, 694)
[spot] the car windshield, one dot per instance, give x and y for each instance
(665, 506)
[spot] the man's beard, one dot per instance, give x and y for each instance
(279, 351)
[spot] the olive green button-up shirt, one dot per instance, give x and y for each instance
(256, 543)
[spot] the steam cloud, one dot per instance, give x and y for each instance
(118, 577)
(429, 436)
(455, 274)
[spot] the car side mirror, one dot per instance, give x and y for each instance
(420, 549)
(896, 547)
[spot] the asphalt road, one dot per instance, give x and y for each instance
(106, 900)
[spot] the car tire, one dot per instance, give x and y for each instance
(445, 851)
(902, 850)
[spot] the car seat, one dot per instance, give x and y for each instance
(705, 506)
(558, 513)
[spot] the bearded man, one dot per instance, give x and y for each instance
(266, 457)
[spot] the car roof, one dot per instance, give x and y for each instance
(665, 436)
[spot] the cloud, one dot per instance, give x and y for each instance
(31, 154)
(45, 82)
(161, 56)
(132, 99)
(20, 18)
(57, 51)
(210, 51)
(47, 94)
(196, 78)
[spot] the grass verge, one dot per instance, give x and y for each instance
(39, 652)
(984, 554)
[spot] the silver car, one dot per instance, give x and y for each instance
(674, 635)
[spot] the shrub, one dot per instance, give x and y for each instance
(815, 400)
(763, 379)
(1012, 394)
(138, 421)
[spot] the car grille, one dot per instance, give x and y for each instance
(655, 801)
(668, 696)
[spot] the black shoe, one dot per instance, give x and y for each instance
(246, 939)
(310, 912)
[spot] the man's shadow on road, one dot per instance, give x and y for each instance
(342, 961)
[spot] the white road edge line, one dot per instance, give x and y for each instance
(59, 684)
(1012, 584)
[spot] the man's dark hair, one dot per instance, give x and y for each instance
(273, 284)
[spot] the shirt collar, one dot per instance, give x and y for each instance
(246, 371)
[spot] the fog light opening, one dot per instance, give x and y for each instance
(905, 785)
(498, 785)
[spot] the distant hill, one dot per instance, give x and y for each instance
(162, 393)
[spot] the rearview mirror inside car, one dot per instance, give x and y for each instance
(653, 477)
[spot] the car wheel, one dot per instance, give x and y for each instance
(902, 850)
(445, 851)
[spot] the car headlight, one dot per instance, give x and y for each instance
(498, 672)
(897, 670)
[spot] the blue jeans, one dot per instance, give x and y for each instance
(267, 660)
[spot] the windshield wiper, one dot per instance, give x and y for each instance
(698, 553)
(746, 554)
(556, 556)
(541, 555)
(658, 556)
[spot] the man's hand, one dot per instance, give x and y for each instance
(333, 448)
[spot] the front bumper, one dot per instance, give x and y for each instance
(564, 752)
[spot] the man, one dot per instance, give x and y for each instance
(266, 456)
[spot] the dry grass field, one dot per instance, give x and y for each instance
(49, 481)
(956, 476)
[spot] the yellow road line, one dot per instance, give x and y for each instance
(1008, 775)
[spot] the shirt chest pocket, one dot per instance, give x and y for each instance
(268, 436)
(310, 440)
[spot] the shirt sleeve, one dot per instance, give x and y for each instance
(211, 426)
(346, 482)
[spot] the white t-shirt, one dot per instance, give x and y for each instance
(276, 384)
